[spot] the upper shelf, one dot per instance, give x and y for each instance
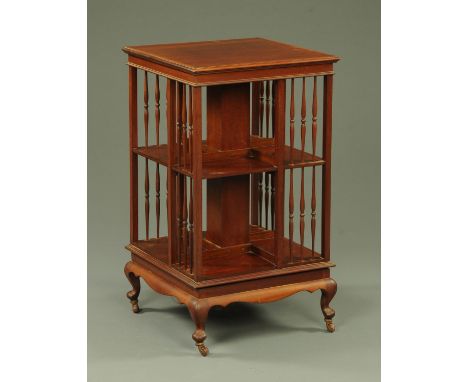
(220, 166)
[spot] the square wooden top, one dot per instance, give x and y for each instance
(229, 61)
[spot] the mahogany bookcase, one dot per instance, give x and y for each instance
(227, 157)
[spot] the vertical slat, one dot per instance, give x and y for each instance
(314, 144)
(291, 175)
(184, 178)
(197, 182)
(279, 112)
(157, 118)
(133, 140)
(303, 136)
(171, 176)
(326, 169)
(145, 100)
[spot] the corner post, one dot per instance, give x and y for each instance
(279, 126)
(326, 170)
(133, 140)
(197, 181)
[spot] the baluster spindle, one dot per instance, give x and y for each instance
(184, 178)
(273, 175)
(291, 175)
(273, 195)
(190, 128)
(262, 106)
(184, 127)
(291, 123)
(189, 266)
(179, 176)
(272, 103)
(179, 123)
(145, 99)
(314, 142)
(267, 135)
(157, 117)
(260, 177)
(190, 228)
(303, 136)
(267, 198)
(267, 111)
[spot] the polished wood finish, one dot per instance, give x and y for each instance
(228, 61)
(244, 254)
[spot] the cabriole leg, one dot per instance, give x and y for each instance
(199, 312)
(135, 292)
(328, 292)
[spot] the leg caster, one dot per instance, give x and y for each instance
(199, 312)
(328, 292)
(135, 292)
(330, 325)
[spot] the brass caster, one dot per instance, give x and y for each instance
(135, 307)
(202, 349)
(330, 325)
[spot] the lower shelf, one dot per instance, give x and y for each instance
(218, 262)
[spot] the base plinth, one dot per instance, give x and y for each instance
(199, 307)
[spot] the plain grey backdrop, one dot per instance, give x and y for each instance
(282, 341)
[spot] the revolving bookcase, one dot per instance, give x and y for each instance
(233, 199)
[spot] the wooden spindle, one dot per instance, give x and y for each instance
(179, 176)
(273, 92)
(291, 175)
(179, 123)
(273, 195)
(260, 134)
(184, 219)
(267, 135)
(267, 198)
(291, 122)
(190, 228)
(145, 96)
(273, 175)
(303, 136)
(184, 178)
(157, 118)
(262, 106)
(314, 143)
(190, 128)
(190, 153)
(184, 127)
(267, 111)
